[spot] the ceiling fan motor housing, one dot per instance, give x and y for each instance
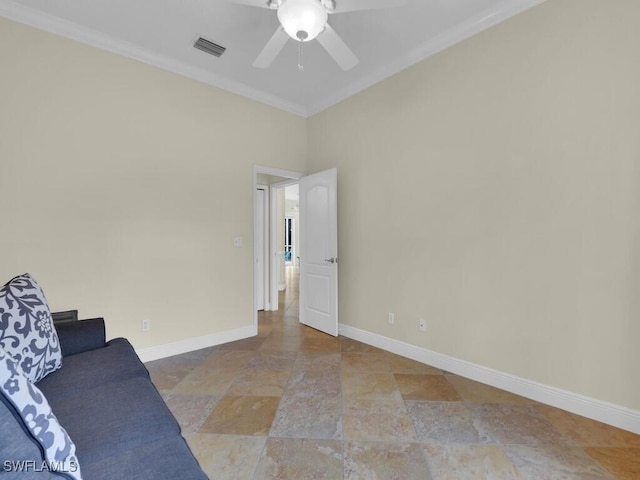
(303, 20)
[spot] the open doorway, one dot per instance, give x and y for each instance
(286, 207)
(276, 236)
(317, 256)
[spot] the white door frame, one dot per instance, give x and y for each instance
(262, 239)
(292, 177)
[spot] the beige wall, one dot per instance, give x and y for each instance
(494, 190)
(122, 186)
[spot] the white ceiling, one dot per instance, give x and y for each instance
(162, 32)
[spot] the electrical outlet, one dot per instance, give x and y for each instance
(145, 325)
(422, 325)
(391, 319)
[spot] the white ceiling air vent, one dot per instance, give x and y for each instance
(209, 47)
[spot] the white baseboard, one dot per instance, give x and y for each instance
(599, 410)
(191, 344)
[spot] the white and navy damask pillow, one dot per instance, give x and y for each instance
(32, 407)
(26, 328)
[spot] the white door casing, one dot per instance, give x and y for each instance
(269, 264)
(261, 281)
(319, 251)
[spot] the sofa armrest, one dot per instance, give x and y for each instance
(81, 336)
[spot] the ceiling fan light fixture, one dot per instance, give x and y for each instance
(303, 20)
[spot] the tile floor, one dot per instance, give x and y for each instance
(294, 403)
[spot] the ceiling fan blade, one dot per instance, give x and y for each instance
(271, 49)
(336, 47)
(252, 3)
(353, 5)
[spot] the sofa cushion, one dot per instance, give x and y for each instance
(115, 418)
(26, 328)
(84, 371)
(27, 403)
(171, 459)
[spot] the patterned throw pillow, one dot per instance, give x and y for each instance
(26, 328)
(34, 410)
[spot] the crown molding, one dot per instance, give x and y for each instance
(49, 23)
(437, 44)
(58, 26)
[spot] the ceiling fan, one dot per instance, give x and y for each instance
(304, 20)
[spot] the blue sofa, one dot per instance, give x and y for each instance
(104, 398)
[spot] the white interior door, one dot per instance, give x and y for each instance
(319, 251)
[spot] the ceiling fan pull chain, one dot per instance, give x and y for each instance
(300, 59)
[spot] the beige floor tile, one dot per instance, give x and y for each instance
(191, 410)
(264, 330)
(294, 331)
(166, 375)
(377, 420)
(252, 343)
(516, 424)
(259, 382)
(365, 362)
(623, 463)
(323, 362)
(472, 391)
(400, 364)
(313, 333)
(227, 457)
(207, 381)
(370, 385)
(290, 320)
(287, 344)
(241, 415)
(445, 423)
(228, 359)
(586, 432)
(554, 463)
(276, 360)
(384, 460)
(320, 345)
(349, 345)
(470, 462)
(426, 387)
(304, 383)
(298, 459)
(308, 417)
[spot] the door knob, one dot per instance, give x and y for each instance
(331, 260)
